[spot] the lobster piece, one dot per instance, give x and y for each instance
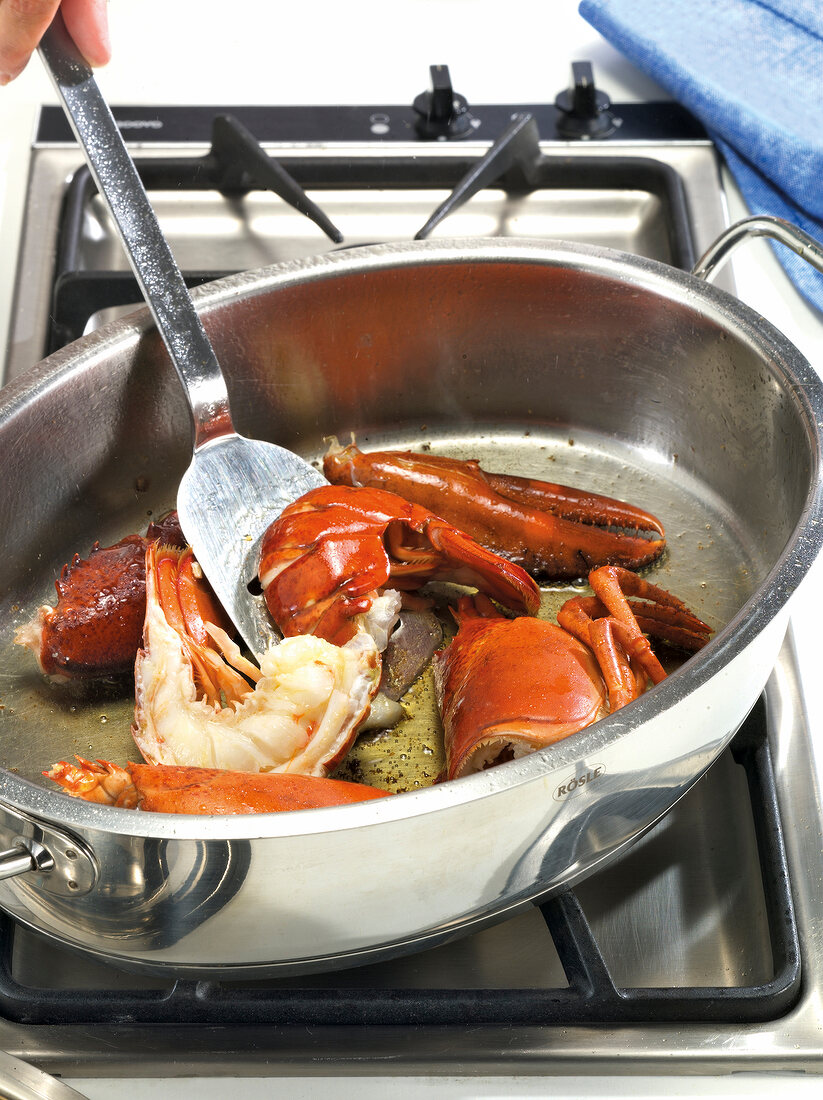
(94, 630)
(174, 790)
(550, 530)
(327, 556)
(195, 703)
(507, 687)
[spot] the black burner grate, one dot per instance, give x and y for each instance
(236, 165)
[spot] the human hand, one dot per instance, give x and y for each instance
(23, 22)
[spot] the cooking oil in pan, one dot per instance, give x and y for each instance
(408, 756)
(710, 563)
(411, 755)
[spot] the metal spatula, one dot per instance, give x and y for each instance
(234, 486)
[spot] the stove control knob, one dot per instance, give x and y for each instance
(584, 111)
(441, 112)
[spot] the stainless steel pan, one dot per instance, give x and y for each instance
(572, 363)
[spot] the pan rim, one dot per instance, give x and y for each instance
(763, 606)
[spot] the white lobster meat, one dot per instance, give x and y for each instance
(195, 705)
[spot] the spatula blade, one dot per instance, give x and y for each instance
(233, 489)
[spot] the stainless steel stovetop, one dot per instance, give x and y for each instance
(683, 958)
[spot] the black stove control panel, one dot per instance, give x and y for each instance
(579, 113)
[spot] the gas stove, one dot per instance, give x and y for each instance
(700, 949)
(246, 187)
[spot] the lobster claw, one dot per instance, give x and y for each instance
(550, 530)
(507, 687)
(326, 557)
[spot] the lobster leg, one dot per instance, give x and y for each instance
(184, 790)
(614, 628)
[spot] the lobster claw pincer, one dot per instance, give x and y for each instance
(550, 530)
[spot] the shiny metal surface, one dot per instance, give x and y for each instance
(149, 255)
(208, 232)
(234, 486)
(759, 226)
(52, 861)
(21, 1081)
(226, 500)
(715, 928)
(16, 861)
(642, 377)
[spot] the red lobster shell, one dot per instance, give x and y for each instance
(550, 530)
(324, 560)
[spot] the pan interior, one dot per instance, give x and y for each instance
(708, 563)
(574, 376)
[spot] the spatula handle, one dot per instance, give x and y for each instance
(148, 252)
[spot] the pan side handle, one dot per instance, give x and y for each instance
(21, 858)
(50, 859)
(760, 225)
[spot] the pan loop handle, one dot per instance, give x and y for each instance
(51, 860)
(25, 856)
(760, 225)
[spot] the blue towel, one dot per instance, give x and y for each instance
(752, 72)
